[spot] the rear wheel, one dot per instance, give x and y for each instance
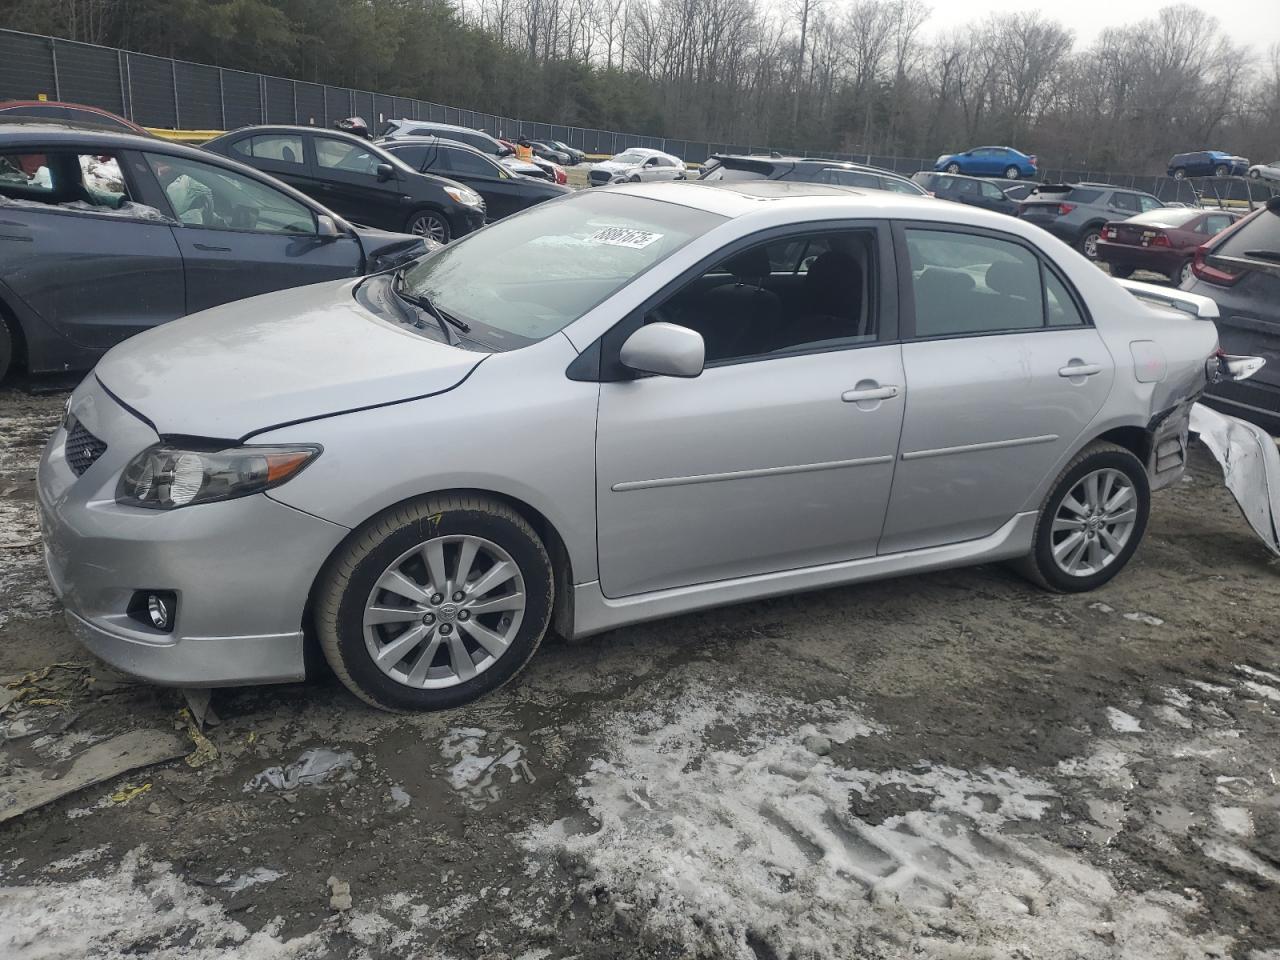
(635, 178)
(1221, 170)
(1088, 244)
(1182, 274)
(429, 223)
(953, 168)
(1121, 273)
(1092, 521)
(435, 602)
(1011, 173)
(1180, 174)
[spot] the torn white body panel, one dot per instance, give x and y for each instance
(1250, 466)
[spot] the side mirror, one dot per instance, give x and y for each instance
(504, 151)
(385, 172)
(326, 228)
(666, 349)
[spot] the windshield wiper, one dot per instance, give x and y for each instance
(423, 302)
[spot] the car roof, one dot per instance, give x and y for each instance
(389, 145)
(14, 130)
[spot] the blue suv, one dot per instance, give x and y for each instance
(1207, 163)
(989, 162)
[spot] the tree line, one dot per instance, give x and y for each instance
(859, 76)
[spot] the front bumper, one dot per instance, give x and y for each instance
(242, 569)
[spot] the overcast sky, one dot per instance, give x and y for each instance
(1253, 22)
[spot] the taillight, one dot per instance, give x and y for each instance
(1065, 208)
(1109, 233)
(1160, 240)
(1034, 160)
(1211, 274)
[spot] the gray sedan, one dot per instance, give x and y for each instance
(615, 406)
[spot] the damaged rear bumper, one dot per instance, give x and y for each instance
(1250, 464)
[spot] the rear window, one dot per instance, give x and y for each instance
(1258, 235)
(1174, 217)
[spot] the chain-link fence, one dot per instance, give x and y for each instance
(175, 94)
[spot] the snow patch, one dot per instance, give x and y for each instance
(478, 772)
(1122, 722)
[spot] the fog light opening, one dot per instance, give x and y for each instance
(156, 609)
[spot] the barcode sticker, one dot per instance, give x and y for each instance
(624, 237)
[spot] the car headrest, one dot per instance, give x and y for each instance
(750, 266)
(834, 281)
(1013, 279)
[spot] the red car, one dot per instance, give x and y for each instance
(77, 113)
(1162, 241)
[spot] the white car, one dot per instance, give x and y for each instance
(1266, 171)
(636, 165)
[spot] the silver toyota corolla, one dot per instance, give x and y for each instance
(617, 406)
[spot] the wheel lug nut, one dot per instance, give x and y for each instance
(464, 614)
(459, 596)
(446, 629)
(429, 619)
(436, 599)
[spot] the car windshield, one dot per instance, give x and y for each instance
(530, 275)
(630, 158)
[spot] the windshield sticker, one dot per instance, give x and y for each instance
(624, 237)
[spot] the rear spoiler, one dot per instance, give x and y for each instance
(1199, 307)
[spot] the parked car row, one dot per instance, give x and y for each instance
(731, 168)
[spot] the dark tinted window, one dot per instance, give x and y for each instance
(965, 284)
(901, 186)
(464, 162)
(1081, 195)
(1215, 223)
(414, 156)
(45, 113)
(813, 291)
(991, 191)
(1260, 233)
(1125, 201)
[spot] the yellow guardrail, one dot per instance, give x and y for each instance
(185, 136)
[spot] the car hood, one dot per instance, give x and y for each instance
(283, 357)
(522, 166)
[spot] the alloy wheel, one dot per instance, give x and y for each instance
(1094, 522)
(430, 225)
(444, 611)
(1091, 245)
(1186, 273)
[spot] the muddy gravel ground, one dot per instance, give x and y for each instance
(947, 766)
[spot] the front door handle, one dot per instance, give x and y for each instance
(210, 248)
(1078, 369)
(869, 393)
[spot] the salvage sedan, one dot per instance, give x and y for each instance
(616, 406)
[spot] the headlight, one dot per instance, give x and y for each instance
(462, 195)
(165, 477)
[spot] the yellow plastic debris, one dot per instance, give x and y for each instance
(205, 751)
(125, 794)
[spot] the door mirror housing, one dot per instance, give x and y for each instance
(665, 349)
(326, 227)
(385, 172)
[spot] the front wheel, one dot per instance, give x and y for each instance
(953, 168)
(6, 347)
(429, 223)
(434, 603)
(635, 178)
(1092, 521)
(1089, 243)
(1255, 174)
(1121, 273)
(1011, 173)
(1180, 174)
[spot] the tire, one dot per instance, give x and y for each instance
(1121, 273)
(429, 223)
(1255, 174)
(392, 541)
(635, 178)
(1221, 170)
(8, 343)
(952, 168)
(1040, 565)
(1088, 243)
(1180, 174)
(1011, 173)
(1182, 274)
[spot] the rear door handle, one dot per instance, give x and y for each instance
(869, 393)
(1080, 370)
(210, 248)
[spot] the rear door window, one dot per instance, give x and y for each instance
(966, 284)
(282, 148)
(90, 183)
(414, 156)
(1126, 201)
(466, 163)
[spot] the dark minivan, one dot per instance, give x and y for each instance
(1239, 269)
(974, 191)
(357, 179)
(103, 235)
